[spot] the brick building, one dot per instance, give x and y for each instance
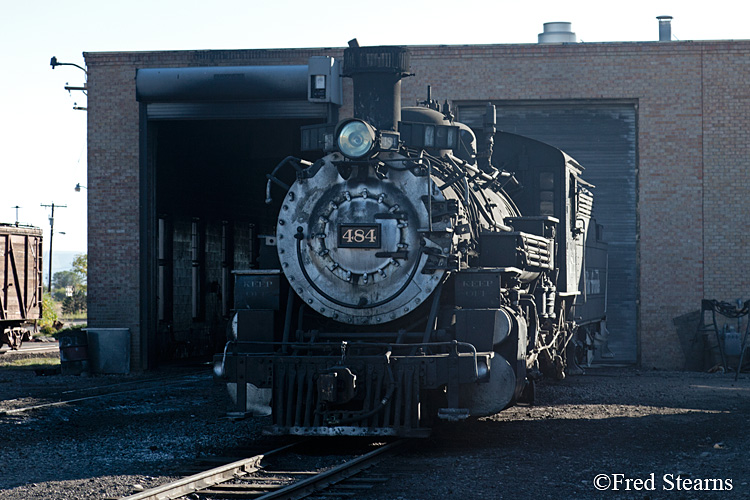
(662, 128)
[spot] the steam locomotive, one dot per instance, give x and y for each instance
(418, 279)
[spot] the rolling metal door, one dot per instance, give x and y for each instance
(602, 138)
(226, 92)
(261, 110)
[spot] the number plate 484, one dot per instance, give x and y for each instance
(359, 236)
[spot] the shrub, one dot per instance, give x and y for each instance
(75, 303)
(49, 314)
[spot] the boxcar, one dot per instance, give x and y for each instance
(20, 283)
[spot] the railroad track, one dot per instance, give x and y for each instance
(290, 472)
(32, 348)
(111, 390)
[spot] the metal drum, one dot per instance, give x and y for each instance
(74, 357)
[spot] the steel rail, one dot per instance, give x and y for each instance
(171, 379)
(51, 347)
(4, 413)
(177, 380)
(202, 480)
(323, 480)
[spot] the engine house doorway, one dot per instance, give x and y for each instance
(602, 136)
(209, 215)
(208, 138)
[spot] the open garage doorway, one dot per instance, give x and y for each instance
(209, 218)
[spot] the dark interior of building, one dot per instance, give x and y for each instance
(210, 191)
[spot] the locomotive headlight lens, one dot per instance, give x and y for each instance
(355, 139)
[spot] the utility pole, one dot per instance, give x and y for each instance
(51, 233)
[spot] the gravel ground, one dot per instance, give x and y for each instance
(616, 425)
(600, 429)
(103, 448)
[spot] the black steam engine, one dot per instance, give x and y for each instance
(418, 279)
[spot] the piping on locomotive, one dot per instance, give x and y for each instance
(416, 282)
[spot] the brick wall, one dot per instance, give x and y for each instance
(693, 113)
(113, 190)
(692, 140)
(726, 167)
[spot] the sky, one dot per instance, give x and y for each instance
(43, 139)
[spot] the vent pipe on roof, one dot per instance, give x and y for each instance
(665, 28)
(557, 33)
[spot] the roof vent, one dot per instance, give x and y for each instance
(665, 28)
(557, 33)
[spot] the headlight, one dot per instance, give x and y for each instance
(355, 139)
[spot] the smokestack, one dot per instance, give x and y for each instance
(665, 28)
(376, 73)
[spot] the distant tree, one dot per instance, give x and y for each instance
(69, 287)
(74, 304)
(61, 279)
(81, 267)
(62, 282)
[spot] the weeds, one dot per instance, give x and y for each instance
(35, 363)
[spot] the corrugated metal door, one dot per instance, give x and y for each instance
(602, 138)
(260, 110)
(227, 93)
